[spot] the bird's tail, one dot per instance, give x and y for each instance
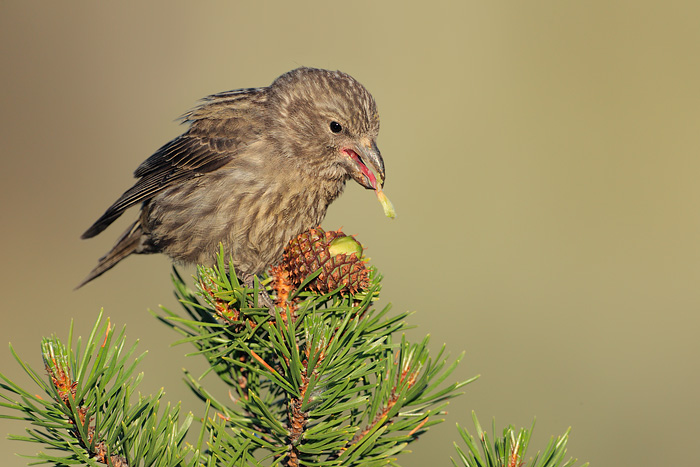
(127, 244)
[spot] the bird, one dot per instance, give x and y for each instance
(255, 168)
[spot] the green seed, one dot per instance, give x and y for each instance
(346, 245)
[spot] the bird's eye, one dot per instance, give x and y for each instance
(335, 127)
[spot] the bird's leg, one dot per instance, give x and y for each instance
(263, 297)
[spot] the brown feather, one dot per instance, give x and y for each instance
(256, 167)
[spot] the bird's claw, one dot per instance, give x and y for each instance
(264, 299)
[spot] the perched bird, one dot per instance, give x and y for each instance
(255, 168)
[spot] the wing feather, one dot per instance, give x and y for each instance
(221, 127)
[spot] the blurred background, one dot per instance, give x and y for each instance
(542, 157)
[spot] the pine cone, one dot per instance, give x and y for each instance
(337, 255)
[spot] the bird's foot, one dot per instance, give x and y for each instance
(264, 299)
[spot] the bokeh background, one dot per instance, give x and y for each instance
(543, 158)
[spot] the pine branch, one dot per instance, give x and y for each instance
(322, 382)
(322, 378)
(509, 450)
(88, 414)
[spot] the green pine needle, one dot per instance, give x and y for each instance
(509, 449)
(88, 413)
(326, 380)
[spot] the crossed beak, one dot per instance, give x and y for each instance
(368, 164)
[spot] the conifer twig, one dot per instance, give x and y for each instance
(60, 374)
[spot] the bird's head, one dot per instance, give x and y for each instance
(328, 124)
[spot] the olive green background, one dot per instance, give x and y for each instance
(543, 158)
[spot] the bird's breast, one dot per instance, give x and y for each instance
(253, 216)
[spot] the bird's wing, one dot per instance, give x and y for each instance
(220, 128)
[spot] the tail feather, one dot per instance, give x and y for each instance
(127, 244)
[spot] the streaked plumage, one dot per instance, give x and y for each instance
(256, 167)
